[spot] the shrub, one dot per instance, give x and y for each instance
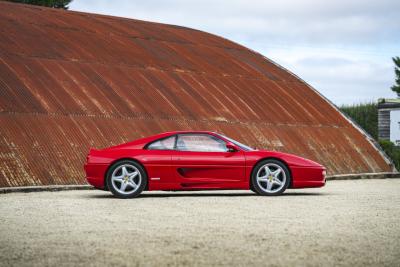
(392, 151)
(365, 115)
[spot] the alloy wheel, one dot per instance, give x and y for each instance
(126, 179)
(271, 178)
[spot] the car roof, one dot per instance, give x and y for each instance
(167, 134)
(185, 132)
(140, 143)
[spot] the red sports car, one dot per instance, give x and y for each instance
(197, 160)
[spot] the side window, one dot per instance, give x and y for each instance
(163, 144)
(200, 142)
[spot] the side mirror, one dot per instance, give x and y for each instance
(231, 147)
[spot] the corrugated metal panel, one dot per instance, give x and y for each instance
(70, 81)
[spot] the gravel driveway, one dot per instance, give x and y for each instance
(345, 223)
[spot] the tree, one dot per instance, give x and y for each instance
(366, 115)
(396, 86)
(49, 3)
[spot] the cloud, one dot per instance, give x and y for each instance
(343, 78)
(341, 47)
(339, 21)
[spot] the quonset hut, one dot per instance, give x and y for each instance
(70, 81)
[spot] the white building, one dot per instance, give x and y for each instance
(389, 120)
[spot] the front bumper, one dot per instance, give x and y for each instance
(304, 177)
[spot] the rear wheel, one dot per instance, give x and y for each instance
(126, 179)
(270, 178)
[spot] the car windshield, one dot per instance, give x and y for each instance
(242, 146)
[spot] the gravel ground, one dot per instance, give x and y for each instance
(345, 223)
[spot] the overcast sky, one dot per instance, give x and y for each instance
(341, 47)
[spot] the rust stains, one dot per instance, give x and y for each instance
(70, 81)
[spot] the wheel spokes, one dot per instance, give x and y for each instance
(132, 184)
(124, 171)
(123, 186)
(269, 185)
(262, 178)
(126, 179)
(267, 170)
(117, 178)
(133, 174)
(274, 178)
(276, 172)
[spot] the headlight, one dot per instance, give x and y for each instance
(324, 173)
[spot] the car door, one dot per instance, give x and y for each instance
(157, 161)
(203, 161)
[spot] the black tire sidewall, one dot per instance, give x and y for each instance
(142, 173)
(254, 185)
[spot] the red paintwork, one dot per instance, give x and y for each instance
(205, 170)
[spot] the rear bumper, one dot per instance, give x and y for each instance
(95, 174)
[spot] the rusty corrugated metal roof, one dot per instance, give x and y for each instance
(70, 81)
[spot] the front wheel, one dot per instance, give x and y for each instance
(126, 179)
(270, 178)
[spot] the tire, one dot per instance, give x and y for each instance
(252, 188)
(126, 179)
(270, 183)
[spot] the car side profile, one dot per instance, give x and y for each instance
(197, 160)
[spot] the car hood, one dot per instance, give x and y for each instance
(290, 159)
